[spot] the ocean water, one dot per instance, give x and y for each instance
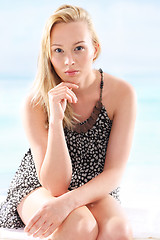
(143, 167)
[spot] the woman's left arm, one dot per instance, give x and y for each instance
(118, 149)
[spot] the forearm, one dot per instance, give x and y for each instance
(94, 190)
(56, 170)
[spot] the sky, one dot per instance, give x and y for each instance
(129, 32)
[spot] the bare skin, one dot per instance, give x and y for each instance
(52, 211)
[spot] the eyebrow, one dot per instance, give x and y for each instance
(60, 45)
(79, 42)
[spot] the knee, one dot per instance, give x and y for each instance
(85, 228)
(119, 229)
(116, 229)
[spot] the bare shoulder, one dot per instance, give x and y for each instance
(28, 102)
(118, 85)
(34, 119)
(117, 93)
(31, 109)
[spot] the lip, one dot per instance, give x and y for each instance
(71, 72)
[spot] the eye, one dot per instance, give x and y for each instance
(79, 48)
(58, 50)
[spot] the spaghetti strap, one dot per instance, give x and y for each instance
(102, 83)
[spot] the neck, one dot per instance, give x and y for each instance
(86, 83)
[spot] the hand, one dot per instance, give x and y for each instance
(48, 218)
(58, 97)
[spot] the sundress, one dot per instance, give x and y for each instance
(87, 144)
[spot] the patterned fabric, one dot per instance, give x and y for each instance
(24, 181)
(87, 150)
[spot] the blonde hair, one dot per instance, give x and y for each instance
(46, 77)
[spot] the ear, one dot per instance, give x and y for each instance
(96, 48)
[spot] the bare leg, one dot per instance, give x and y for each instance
(112, 222)
(80, 224)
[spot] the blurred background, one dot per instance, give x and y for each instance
(129, 32)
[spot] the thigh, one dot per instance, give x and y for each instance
(32, 202)
(79, 223)
(110, 217)
(106, 208)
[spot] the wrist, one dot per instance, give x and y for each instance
(55, 124)
(70, 200)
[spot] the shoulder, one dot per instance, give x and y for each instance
(28, 105)
(32, 111)
(119, 93)
(118, 85)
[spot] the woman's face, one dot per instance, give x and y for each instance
(72, 51)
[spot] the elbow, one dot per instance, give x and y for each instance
(56, 187)
(57, 192)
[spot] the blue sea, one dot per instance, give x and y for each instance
(144, 162)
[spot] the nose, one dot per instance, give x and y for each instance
(69, 60)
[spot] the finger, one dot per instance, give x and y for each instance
(61, 96)
(70, 85)
(42, 230)
(72, 94)
(62, 91)
(58, 89)
(74, 97)
(49, 231)
(35, 226)
(31, 223)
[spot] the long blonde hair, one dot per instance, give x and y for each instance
(46, 77)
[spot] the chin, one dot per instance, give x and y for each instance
(75, 80)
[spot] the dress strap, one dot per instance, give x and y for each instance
(102, 83)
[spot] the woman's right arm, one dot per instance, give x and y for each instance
(49, 148)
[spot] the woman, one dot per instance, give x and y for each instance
(80, 123)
